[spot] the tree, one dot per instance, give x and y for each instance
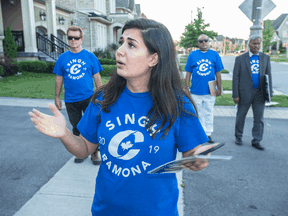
(193, 30)
(267, 36)
(10, 47)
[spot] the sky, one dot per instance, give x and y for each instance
(224, 16)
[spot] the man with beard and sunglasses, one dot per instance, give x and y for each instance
(204, 65)
(76, 68)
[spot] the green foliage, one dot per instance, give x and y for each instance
(50, 67)
(100, 53)
(107, 70)
(227, 46)
(194, 30)
(9, 67)
(10, 47)
(107, 62)
(224, 71)
(1, 70)
(33, 66)
(267, 36)
(113, 46)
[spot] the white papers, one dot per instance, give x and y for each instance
(176, 165)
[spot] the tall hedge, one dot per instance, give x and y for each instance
(33, 66)
(107, 70)
(107, 62)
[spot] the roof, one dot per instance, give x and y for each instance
(92, 14)
(277, 23)
(129, 4)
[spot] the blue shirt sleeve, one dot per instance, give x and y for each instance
(89, 122)
(188, 66)
(219, 64)
(96, 64)
(190, 131)
(58, 67)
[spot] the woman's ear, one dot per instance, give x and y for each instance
(153, 60)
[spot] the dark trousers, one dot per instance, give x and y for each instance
(258, 106)
(75, 111)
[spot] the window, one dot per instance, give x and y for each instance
(101, 6)
(102, 36)
(285, 33)
(112, 6)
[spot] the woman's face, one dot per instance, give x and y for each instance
(133, 60)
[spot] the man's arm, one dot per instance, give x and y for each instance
(97, 79)
(58, 88)
(187, 80)
(235, 81)
(219, 83)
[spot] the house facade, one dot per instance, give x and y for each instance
(280, 27)
(38, 24)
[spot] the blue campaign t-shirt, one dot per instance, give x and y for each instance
(78, 70)
(128, 152)
(254, 61)
(203, 66)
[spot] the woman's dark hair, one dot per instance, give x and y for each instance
(165, 84)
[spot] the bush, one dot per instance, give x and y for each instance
(9, 67)
(224, 71)
(9, 44)
(107, 70)
(33, 66)
(50, 67)
(1, 70)
(107, 62)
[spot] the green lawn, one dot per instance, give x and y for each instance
(32, 85)
(226, 100)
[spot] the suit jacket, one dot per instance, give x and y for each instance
(242, 77)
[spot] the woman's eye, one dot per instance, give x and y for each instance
(120, 43)
(131, 45)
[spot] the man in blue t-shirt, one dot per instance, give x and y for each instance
(76, 68)
(204, 65)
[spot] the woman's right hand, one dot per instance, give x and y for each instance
(53, 126)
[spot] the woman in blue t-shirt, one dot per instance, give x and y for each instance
(139, 119)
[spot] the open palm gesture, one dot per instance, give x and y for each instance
(53, 126)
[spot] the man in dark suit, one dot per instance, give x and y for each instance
(249, 88)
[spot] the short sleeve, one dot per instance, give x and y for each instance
(57, 68)
(89, 122)
(190, 131)
(96, 64)
(219, 64)
(188, 66)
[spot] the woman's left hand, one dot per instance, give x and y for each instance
(199, 163)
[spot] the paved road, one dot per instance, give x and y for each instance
(279, 73)
(253, 183)
(28, 159)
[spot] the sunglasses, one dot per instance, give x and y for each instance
(201, 41)
(75, 38)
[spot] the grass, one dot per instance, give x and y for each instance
(226, 100)
(42, 86)
(279, 58)
(32, 85)
(227, 84)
